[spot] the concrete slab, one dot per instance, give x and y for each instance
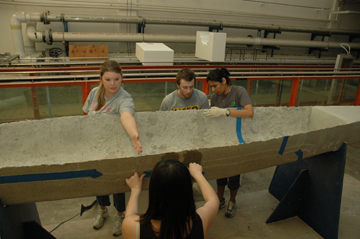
(56, 158)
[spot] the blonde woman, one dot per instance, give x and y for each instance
(110, 98)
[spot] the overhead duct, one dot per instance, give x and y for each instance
(49, 37)
(46, 18)
(16, 29)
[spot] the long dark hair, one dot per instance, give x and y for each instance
(218, 74)
(171, 199)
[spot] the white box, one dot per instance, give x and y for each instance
(210, 46)
(154, 54)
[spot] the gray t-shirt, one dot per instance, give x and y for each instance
(116, 104)
(237, 97)
(197, 101)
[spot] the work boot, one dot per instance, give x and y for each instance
(117, 231)
(100, 218)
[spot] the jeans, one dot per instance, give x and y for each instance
(119, 201)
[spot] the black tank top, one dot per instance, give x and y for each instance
(196, 232)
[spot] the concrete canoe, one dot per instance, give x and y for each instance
(80, 156)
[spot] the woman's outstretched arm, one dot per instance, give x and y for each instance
(129, 124)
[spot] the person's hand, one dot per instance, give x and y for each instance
(195, 169)
(137, 144)
(135, 182)
(215, 112)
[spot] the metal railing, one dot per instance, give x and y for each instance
(256, 79)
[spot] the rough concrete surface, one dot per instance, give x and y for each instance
(99, 142)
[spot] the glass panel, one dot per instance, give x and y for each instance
(148, 96)
(327, 92)
(94, 85)
(57, 101)
(283, 92)
(15, 104)
(267, 92)
(349, 91)
(314, 92)
(264, 92)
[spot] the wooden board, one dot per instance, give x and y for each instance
(95, 51)
(99, 52)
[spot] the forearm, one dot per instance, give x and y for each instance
(207, 191)
(129, 124)
(248, 111)
(132, 206)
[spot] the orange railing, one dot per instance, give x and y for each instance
(36, 81)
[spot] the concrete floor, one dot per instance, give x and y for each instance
(254, 206)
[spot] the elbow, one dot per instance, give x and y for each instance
(251, 114)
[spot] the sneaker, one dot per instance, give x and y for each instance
(222, 204)
(100, 218)
(117, 231)
(230, 211)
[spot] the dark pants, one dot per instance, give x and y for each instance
(119, 201)
(233, 182)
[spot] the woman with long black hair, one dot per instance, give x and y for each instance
(171, 213)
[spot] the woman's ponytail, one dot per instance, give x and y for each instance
(100, 96)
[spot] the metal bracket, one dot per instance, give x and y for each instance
(44, 17)
(323, 35)
(352, 37)
(319, 49)
(217, 28)
(48, 37)
(66, 29)
(62, 17)
(313, 36)
(141, 27)
(266, 33)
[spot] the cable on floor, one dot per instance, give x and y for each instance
(64, 222)
(82, 210)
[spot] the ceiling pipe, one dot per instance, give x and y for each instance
(47, 17)
(48, 36)
(29, 45)
(16, 29)
(134, 6)
(345, 12)
(170, 38)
